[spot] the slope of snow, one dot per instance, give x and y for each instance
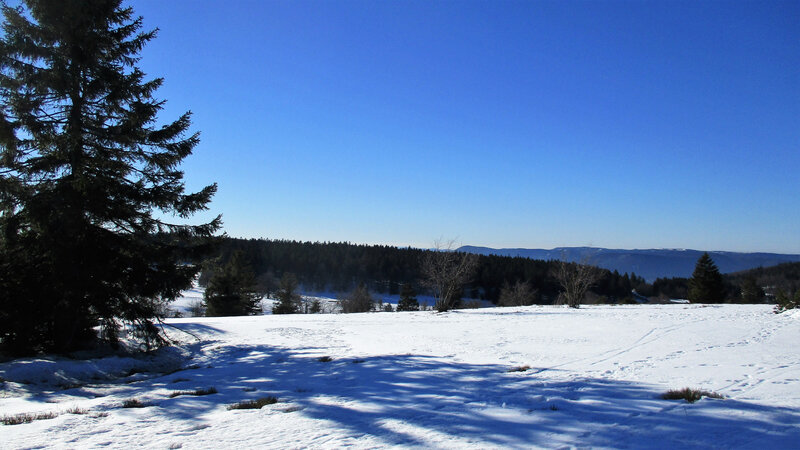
(433, 380)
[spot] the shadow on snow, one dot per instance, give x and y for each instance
(405, 399)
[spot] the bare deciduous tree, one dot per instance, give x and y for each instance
(446, 271)
(575, 279)
(520, 294)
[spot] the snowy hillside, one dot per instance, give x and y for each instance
(594, 378)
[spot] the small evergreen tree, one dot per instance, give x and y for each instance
(316, 307)
(231, 291)
(288, 298)
(408, 298)
(87, 177)
(706, 284)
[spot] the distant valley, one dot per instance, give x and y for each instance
(650, 264)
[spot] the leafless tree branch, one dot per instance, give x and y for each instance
(446, 271)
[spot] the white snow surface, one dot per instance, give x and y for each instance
(432, 380)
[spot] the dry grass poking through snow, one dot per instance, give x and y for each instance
(688, 394)
(134, 403)
(17, 419)
(254, 404)
(206, 391)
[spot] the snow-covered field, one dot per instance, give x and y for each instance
(433, 380)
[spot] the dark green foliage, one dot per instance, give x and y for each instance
(786, 301)
(470, 304)
(671, 287)
(357, 301)
(751, 292)
(254, 404)
(85, 175)
(316, 307)
(288, 298)
(773, 279)
(690, 395)
(231, 291)
(408, 298)
(521, 294)
(706, 284)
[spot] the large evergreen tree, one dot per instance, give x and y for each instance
(87, 177)
(706, 285)
(231, 291)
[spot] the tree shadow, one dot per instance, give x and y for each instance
(421, 400)
(194, 328)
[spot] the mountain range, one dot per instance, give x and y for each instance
(650, 264)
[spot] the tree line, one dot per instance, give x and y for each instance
(342, 266)
(758, 285)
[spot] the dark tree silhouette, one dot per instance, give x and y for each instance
(408, 299)
(86, 179)
(706, 284)
(288, 298)
(231, 291)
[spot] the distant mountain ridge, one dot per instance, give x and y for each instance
(650, 264)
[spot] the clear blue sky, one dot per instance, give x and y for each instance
(505, 124)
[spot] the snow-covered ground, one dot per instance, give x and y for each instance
(433, 380)
(328, 300)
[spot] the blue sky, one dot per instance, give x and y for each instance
(505, 124)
